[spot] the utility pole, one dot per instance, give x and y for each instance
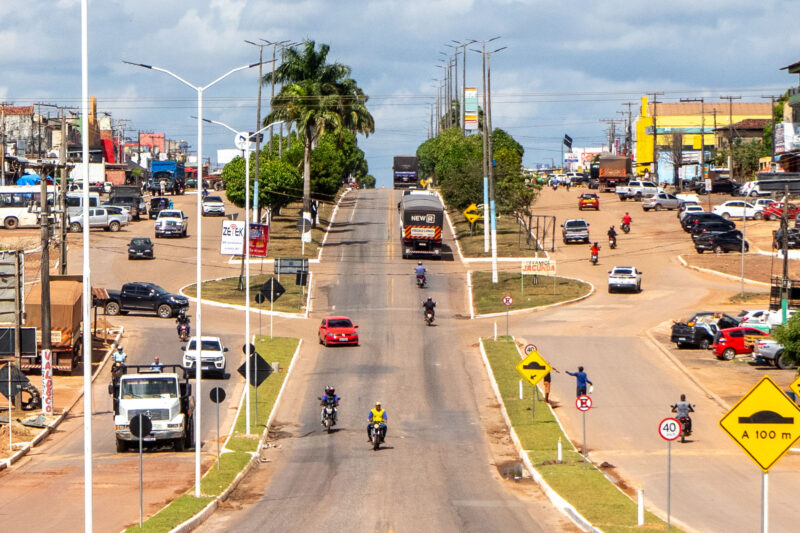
(258, 112)
(655, 103)
(463, 95)
(612, 132)
(730, 100)
(628, 130)
(44, 223)
(772, 131)
(62, 197)
(3, 144)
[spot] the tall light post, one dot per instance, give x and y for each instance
(487, 57)
(463, 47)
(243, 140)
(199, 215)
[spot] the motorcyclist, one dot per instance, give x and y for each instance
(682, 410)
(429, 305)
(595, 250)
(205, 193)
(626, 219)
(377, 413)
(420, 271)
(120, 356)
(329, 397)
(183, 319)
(612, 235)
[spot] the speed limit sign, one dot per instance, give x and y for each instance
(669, 428)
(507, 300)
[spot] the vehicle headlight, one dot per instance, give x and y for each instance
(131, 249)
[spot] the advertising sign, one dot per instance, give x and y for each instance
(232, 242)
(470, 108)
(47, 382)
(259, 239)
(539, 267)
(11, 285)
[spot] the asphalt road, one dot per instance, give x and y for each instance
(437, 470)
(56, 468)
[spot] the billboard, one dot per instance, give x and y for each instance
(11, 263)
(232, 240)
(470, 108)
(259, 239)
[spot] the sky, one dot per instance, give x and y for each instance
(567, 65)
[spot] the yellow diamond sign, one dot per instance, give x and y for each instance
(765, 423)
(533, 367)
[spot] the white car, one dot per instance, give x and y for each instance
(171, 222)
(690, 209)
(752, 189)
(738, 209)
(212, 355)
(624, 278)
(213, 205)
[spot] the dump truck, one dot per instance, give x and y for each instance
(609, 171)
(66, 296)
(421, 219)
(405, 171)
(171, 173)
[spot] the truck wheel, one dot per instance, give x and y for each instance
(113, 226)
(179, 444)
(783, 362)
(680, 345)
(718, 249)
(704, 344)
(638, 197)
(75, 227)
(112, 308)
(11, 223)
(622, 197)
(122, 446)
(728, 354)
(164, 311)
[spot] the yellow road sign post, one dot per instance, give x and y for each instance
(765, 423)
(533, 368)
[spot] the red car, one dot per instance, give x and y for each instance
(731, 342)
(774, 211)
(588, 200)
(338, 330)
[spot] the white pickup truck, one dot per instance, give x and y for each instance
(637, 190)
(171, 222)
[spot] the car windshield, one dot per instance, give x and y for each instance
(140, 242)
(170, 214)
(213, 199)
(340, 323)
(575, 224)
(624, 271)
(207, 344)
(149, 387)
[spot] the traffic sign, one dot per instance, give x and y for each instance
(272, 289)
(242, 140)
(669, 428)
(583, 403)
(290, 265)
(508, 300)
(764, 423)
(217, 394)
(795, 388)
(256, 377)
(260, 298)
(303, 225)
(533, 367)
(529, 348)
(141, 426)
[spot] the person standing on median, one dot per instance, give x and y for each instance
(581, 379)
(546, 380)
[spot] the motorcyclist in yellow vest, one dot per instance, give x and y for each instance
(377, 413)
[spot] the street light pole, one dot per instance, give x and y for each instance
(199, 214)
(463, 47)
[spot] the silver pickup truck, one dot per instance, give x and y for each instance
(575, 230)
(99, 217)
(771, 351)
(637, 190)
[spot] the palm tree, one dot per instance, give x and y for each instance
(317, 97)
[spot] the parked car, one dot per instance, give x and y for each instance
(737, 209)
(752, 189)
(700, 329)
(158, 204)
(212, 355)
(140, 247)
(637, 189)
(661, 201)
(763, 203)
(771, 351)
(119, 211)
(719, 185)
(99, 217)
(337, 330)
(171, 222)
(690, 221)
(792, 238)
(575, 230)
(213, 205)
(730, 241)
(712, 226)
(689, 210)
(730, 342)
(107, 187)
(774, 211)
(624, 278)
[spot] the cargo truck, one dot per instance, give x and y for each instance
(405, 171)
(421, 220)
(171, 173)
(66, 315)
(609, 171)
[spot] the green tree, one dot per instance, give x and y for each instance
(367, 181)
(317, 97)
(279, 182)
(789, 337)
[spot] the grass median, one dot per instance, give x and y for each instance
(219, 477)
(227, 291)
(487, 297)
(587, 489)
(511, 240)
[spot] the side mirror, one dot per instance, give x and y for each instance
(110, 388)
(225, 349)
(355, 326)
(183, 348)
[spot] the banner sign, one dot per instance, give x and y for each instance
(539, 267)
(232, 242)
(470, 108)
(47, 382)
(259, 239)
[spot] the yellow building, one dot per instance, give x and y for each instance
(688, 118)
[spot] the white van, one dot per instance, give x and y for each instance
(75, 202)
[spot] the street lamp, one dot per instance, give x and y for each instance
(243, 140)
(198, 358)
(463, 80)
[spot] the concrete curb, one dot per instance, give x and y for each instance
(562, 505)
(6, 463)
(214, 303)
(208, 510)
(716, 272)
(542, 307)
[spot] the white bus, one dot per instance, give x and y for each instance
(14, 202)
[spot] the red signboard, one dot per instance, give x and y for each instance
(259, 239)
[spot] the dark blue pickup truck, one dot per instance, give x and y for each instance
(142, 297)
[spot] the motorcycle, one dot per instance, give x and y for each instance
(183, 332)
(329, 415)
(612, 242)
(593, 259)
(117, 369)
(429, 317)
(626, 227)
(376, 435)
(686, 427)
(421, 281)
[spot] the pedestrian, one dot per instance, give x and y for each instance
(546, 380)
(581, 379)
(157, 366)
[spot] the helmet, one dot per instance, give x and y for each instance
(419, 263)
(329, 390)
(378, 403)
(430, 299)
(595, 243)
(119, 347)
(612, 227)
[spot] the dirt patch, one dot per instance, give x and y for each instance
(757, 267)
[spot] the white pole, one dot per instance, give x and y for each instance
(640, 511)
(764, 502)
(520, 390)
(495, 330)
(560, 455)
(198, 361)
(87, 280)
(246, 155)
